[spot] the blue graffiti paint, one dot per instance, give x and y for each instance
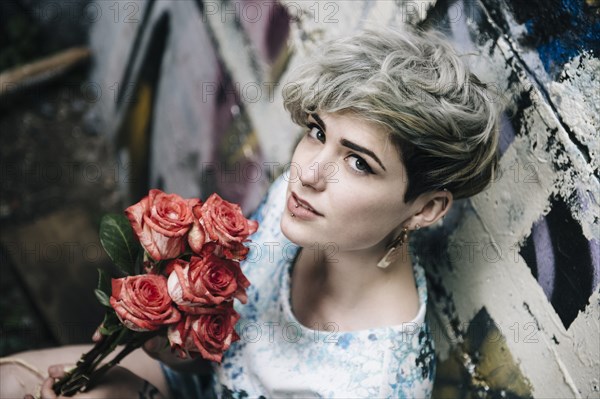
(560, 32)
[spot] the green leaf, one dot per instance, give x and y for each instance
(104, 289)
(104, 282)
(118, 240)
(102, 297)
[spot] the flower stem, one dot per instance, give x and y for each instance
(119, 338)
(98, 374)
(85, 375)
(77, 378)
(73, 380)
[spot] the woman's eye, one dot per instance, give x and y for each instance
(316, 133)
(359, 164)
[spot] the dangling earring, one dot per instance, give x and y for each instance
(393, 249)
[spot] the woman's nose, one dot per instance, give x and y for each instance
(313, 174)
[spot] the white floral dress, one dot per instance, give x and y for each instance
(277, 357)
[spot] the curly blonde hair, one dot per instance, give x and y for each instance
(441, 117)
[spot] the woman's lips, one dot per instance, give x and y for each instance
(300, 208)
(306, 204)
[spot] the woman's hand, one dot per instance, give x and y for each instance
(55, 371)
(158, 348)
(117, 383)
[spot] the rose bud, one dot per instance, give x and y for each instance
(142, 302)
(223, 222)
(207, 280)
(208, 331)
(197, 236)
(160, 221)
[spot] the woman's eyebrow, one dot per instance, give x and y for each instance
(319, 121)
(348, 143)
(356, 147)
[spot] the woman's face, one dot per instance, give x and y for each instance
(353, 179)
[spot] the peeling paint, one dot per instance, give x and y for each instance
(578, 89)
(546, 161)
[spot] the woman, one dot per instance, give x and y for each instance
(396, 129)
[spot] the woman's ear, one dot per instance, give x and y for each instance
(436, 205)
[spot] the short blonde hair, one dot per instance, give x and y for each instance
(441, 117)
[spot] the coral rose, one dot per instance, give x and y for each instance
(160, 221)
(222, 222)
(208, 331)
(142, 302)
(207, 280)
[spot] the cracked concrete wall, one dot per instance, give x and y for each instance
(514, 272)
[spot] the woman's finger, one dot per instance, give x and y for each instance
(97, 336)
(47, 391)
(154, 346)
(58, 370)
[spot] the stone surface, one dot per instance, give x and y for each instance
(57, 256)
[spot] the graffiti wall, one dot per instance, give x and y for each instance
(181, 117)
(514, 272)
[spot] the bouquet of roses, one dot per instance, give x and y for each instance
(176, 273)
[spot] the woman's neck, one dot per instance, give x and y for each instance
(344, 281)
